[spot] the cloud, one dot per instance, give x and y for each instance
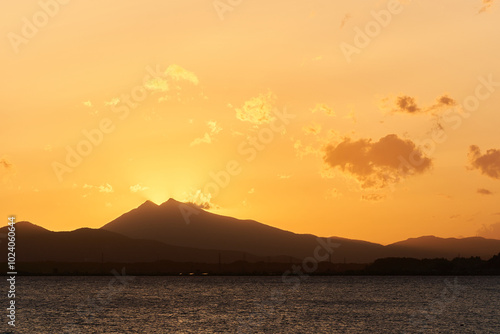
(7, 170)
(105, 188)
(352, 116)
(442, 102)
(492, 231)
(346, 18)
(488, 163)
(199, 199)
(6, 164)
(257, 110)
(177, 73)
(138, 187)
(486, 5)
(284, 176)
(407, 104)
(372, 197)
(313, 129)
(206, 139)
(169, 80)
(156, 85)
(323, 108)
(304, 149)
(113, 102)
(484, 192)
(87, 104)
(251, 191)
(214, 129)
(377, 164)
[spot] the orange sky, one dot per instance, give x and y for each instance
(310, 105)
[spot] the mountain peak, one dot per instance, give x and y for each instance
(147, 204)
(26, 226)
(170, 202)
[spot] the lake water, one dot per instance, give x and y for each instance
(197, 304)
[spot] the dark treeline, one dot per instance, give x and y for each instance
(385, 266)
(457, 266)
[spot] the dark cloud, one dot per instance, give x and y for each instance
(484, 192)
(445, 100)
(408, 104)
(344, 20)
(372, 197)
(5, 163)
(7, 170)
(488, 163)
(377, 164)
(486, 5)
(492, 231)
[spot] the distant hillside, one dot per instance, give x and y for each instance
(449, 248)
(36, 244)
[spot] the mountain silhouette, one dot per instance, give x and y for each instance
(182, 232)
(434, 247)
(182, 224)
(36, 244)
(185, 225)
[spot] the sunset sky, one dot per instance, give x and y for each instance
(373, 120)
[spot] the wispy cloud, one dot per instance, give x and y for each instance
(6, 164)
(87, 104)
(156, 85)
(257, 110)
(201, 200)
(138, 187)
(178, 73)
(312, 129)
(483, 191)
(7, 169)
(408, 104)
(486, 6)
(214, 129)
(323, 108)
(491, 231)
(372, 197)
(113, 102)
(170, 80)
(104, 188)
(346, 18)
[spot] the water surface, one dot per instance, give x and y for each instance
(257, 305)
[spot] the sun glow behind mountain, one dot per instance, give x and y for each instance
(269, 116)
